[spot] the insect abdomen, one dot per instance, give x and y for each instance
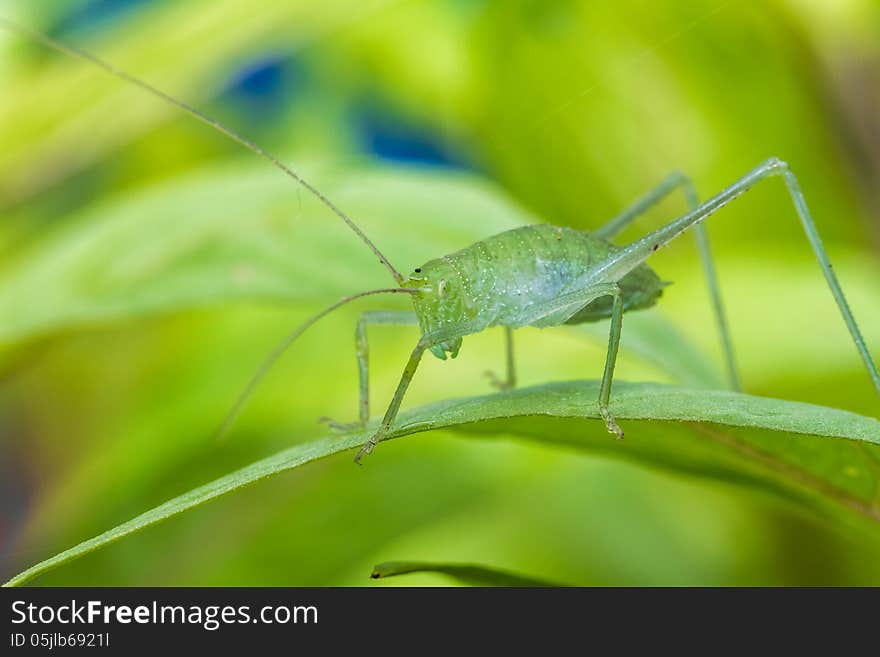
(504, 276)
(501, 279)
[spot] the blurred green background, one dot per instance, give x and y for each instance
(148, 264)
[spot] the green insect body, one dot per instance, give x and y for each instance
(531, 276)
(497, 281)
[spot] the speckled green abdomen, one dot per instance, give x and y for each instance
(497, 281)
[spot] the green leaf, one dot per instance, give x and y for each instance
(469, 574)
(240, 233)
(823, 457)
(245, 233)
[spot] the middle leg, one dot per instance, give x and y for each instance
(510, 382)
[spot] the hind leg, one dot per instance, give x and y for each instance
(630, 256)
(675, 181)
(610, 362)
(556, 311)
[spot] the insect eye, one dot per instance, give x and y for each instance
(418, 270)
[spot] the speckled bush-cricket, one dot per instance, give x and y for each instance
(537, 275)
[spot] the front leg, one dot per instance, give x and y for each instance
(362, 348)
(427, 341)
(390, 415)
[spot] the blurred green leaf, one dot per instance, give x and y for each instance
(240, 233)
(48, 111)
(243, 233)
(469, 574)
(779, 445)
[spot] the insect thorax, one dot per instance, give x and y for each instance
(501, 280)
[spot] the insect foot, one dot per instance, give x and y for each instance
(610, 424)
(496, 382)
(366, 449)
(341, 427)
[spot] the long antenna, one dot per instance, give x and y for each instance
(282, 346)
(274, 161)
